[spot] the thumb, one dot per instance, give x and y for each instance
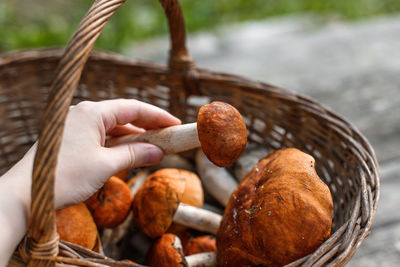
(135, 155)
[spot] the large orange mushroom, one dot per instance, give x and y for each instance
(280, 212)
(220, 131)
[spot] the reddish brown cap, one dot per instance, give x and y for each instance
(222, 132)
(203, 243)
(166, 251)
(156, 202)
(111, 204)
(280, 212)
(75, 224)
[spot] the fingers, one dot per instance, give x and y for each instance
(140, 114)
(134, 155)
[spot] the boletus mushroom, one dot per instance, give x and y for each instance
(279, 213)
(110, 205)
(220, 131)
(167, 252)
(158, 203)
(76, 225)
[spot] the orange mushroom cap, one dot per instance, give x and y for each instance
(166, 251)
(222, 132)
(75, 225)
(156, 202)
(110, 205)
(280, 212)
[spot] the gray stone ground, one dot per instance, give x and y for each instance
(352, 67)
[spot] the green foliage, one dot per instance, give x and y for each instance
(43, 23)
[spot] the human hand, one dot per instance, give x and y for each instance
(84, 164)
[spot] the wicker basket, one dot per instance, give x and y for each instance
(275, 118)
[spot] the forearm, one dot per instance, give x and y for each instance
(15, 186)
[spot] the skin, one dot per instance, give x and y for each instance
(82, 155)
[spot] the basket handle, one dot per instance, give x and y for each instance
(41, 241)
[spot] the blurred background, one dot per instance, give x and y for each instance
(343, 53)
(28, 24)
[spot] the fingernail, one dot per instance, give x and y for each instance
(154, 155)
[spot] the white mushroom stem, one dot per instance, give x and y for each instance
(197, 218)
(217, 181)
(204, 259)
(171, 140)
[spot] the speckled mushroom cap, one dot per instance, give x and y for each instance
(156, 202)
(222, 133)
(280, 212)
(166, 252)
(111, 204)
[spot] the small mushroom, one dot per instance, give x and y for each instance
(158, 203)
(167, 251)
(75, 224)
(114, 238)
(220, 131)
(279, 213)
(217, 181)
(110, 205)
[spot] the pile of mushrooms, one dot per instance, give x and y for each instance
(192, 211)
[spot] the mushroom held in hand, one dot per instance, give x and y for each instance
(75, 225)
(157, 204)
(111, 204)
(220, 131)
(167, 251)
(280, 212)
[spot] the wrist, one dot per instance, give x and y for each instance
(14, 212)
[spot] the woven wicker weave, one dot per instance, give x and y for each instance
(36, 88)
